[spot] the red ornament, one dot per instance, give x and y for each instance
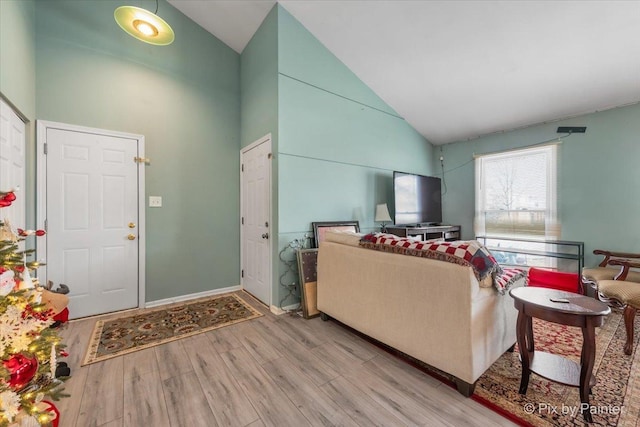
(40, 232)
(21, 232)
(9, 197)
(4, 203)
(50, 407)
(22, 369)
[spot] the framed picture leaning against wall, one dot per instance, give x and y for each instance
(320, 228)
(307, 269)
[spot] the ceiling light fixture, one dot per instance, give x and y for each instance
(144, 25)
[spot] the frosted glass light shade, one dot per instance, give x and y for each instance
(382, 213)
(144, 25)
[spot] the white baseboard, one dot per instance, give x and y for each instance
(278, 311)
(275, 310)
(188, 297)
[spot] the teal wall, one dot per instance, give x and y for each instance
(338, 142)
(185, 99)
(598, 178)
(335, 142)
(197, 102)
(259, 107)
(259, 83)
(18, 55)
(17, 81)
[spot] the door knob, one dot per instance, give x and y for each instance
(131, 236)
(132, 225)
(265, 236)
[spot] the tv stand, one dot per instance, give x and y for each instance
(446, 232)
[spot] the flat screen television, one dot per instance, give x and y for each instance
(418, 199)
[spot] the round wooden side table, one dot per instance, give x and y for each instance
(565, 308)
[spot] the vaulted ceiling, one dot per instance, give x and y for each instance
(456, 70)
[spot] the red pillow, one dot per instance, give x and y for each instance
(554, 279)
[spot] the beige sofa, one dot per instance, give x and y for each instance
(432, 310)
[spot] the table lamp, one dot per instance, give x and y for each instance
(382, 215)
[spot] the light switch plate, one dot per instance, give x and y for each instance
(155, 201)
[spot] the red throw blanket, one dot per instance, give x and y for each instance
(468, 253)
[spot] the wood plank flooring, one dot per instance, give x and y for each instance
(271, 371)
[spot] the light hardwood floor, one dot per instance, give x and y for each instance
(270, 371)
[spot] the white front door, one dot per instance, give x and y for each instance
(256, 201)
(12, 164)
(93, 224)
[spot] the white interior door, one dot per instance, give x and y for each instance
(256, 216)
(92, 216)
(12, 164)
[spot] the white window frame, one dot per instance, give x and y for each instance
(552, 227)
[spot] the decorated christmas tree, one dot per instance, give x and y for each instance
(29, 346)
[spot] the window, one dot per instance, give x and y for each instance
(516, 194)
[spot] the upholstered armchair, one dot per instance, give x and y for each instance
(609, 270)
(616, 284)
(625, 294)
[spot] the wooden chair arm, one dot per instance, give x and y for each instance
(609, 254)
(626, 264)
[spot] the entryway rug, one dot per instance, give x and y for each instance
(124, 335)
(615, 397)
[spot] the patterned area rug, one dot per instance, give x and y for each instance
(124, 335)
(616, 395)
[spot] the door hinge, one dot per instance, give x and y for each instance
(242, 220)
(144, 160)
(242, 168)
(242, 273)
(269, 156)
(45, 148)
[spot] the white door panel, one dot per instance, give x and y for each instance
(92, 197)
(12, 164)
(256, 202)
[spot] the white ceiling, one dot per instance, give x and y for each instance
(456, 70)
